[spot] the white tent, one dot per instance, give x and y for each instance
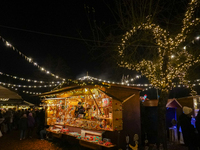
(6, 93)
(8, 97)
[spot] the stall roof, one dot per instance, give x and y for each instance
(196, 96)
(26, 103)
(172, 103)
(110, 93)
(6, 93)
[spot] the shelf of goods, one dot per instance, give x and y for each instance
(89, 136)
(88, 109)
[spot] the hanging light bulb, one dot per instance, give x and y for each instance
(172, 56)
(8, 44)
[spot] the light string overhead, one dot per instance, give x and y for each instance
(30, 60)
(28, 80)
(30, 92)
(122, 83)
(27, 86)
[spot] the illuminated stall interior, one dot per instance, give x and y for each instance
(95, 112)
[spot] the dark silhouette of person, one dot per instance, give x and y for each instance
(188, 130)
(197, 124)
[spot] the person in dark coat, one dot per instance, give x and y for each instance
(23, 124)
(31, 124)
(188, 130)
(197, 124)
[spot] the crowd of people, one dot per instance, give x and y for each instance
(27, 121)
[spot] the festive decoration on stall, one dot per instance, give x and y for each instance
(144, 98)
(167, 47)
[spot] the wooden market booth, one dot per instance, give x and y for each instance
(191, 101)
(149, 115)
(111, 112)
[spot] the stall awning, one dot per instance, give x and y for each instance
(9, 97)
(6, 93)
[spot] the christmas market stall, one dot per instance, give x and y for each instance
(149, 115)
(191, 101)
(25, 105)
(98, 115)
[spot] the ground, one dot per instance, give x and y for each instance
(11, 141)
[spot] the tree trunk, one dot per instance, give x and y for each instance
(162, 132)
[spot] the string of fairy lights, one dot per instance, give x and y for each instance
(167, 47)
(34, 93)
(30, 60)
(27, 86)
(28, 80)
(146, 86)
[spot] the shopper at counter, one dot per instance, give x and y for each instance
(43, 132)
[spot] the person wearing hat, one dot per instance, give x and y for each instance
(188, 130)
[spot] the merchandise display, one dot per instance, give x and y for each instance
(93, 110)
(84, 114)
(84, 135)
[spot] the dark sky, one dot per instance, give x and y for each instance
(62, 21)
(52, 34)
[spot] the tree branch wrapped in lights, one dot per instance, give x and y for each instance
(171, 61)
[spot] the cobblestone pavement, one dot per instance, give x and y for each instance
(10, 141)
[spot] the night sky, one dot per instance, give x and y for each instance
(53, 35)
(51, 32)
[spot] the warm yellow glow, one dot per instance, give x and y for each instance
(167, 46)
